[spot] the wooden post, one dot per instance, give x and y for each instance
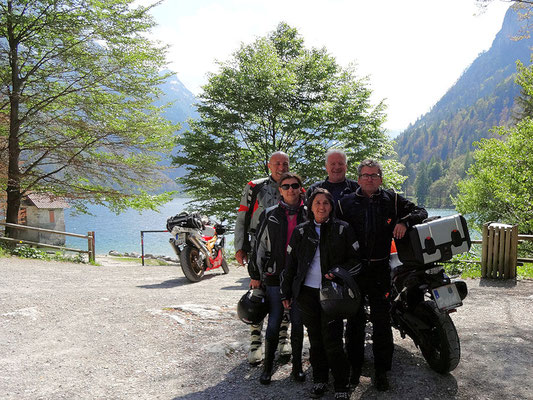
(495, 251)
(513, 254)
(508, 261)
(91, 246)
(501, 251)
(484, 249)
(490, 251)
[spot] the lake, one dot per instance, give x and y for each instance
(123, 232)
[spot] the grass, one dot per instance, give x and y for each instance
(465, 266)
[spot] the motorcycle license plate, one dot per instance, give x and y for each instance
(447, 297)
(180, 238)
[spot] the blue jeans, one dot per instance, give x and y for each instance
(275, 315)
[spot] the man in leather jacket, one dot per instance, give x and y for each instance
(376, 215)
(336, 182)
(257, 196)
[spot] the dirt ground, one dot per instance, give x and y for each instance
(123, 331)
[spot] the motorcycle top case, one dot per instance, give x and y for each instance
(433, 241)
(185, 220)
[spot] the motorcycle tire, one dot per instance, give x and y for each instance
(192, 264)
(440, 344)
(224, 266)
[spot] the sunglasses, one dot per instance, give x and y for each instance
(286, 186)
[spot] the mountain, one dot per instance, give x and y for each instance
(436, 149)
(175, 92)
(483, 97)
(182, 107)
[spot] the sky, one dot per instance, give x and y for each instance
(412, 51)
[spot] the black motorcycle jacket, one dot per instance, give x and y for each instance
(268, 259)
(373, 219)
(338, 247)
(347, 186)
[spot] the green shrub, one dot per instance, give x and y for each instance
(29, 252)
(32, 252)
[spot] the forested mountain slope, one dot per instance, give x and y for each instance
(484, 96)
(436, 149)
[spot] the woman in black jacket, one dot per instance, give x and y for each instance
(317, 246)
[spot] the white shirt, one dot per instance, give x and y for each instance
(314, 274)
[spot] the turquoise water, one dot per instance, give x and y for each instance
(123, 232)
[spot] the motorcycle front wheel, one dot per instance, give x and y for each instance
(440, 343)
(191, 263)
(224, 266)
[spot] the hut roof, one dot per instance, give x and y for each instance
(44, 200)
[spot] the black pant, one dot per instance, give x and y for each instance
(374, 283)
(325, 338)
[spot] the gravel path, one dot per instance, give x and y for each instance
(123, 331)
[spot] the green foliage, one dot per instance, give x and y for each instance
(29, 252)
(465, 265)
(524, 271)
(422, 183)
(25, 251)
(78, 80)
(276, 94)
(500, 183)
(525, 80)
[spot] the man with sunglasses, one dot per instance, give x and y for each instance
(257, 196)
(336, 182)
(377, 215)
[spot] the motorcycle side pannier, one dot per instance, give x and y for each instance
(185, 220)
(436, 240)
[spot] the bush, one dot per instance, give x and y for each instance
(25, 251)
(29, 252)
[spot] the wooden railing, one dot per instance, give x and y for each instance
(90, 239)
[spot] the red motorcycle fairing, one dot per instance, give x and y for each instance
(216, 262)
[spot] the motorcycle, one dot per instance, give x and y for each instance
(198, 243)
(423, 297)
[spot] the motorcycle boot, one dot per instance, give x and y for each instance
(380, 381)
(297, 370)
(284, 346)
(255, 355)
(268, 363)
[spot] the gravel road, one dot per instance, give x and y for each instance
(123, 331)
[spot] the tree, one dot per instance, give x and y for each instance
(525, 80)
(499, 186)
(422, 183)
(276, 94)
(78, 79)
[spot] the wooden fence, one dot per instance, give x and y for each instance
(499, 254)
(91, 251)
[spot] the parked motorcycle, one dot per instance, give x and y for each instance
(198, 243)
(423, 296)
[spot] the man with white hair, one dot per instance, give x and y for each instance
(336, 182)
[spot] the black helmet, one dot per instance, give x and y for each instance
(252, 307)
(340, 297)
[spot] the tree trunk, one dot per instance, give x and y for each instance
(13, 171)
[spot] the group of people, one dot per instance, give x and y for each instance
(291, 239)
